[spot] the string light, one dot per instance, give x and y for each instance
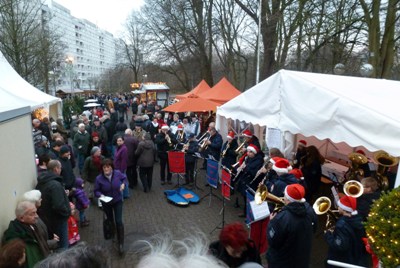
(40, 113)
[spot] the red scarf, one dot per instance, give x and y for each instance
(97, 162)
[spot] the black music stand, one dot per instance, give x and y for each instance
(196, 171)
(222, 212)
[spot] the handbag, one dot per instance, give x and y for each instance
(108, 228)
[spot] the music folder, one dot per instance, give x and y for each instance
(260, 211)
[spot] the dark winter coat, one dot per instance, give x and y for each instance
(90, 171)
(55, 208)
(281, 182)
(145, 153)
(163, 146)
(81, 142)
(190, 153)
(230, 156)
(67, 173)
(345, 244)
(364, 203)
(214, 148)
(111, 188)
(131, 144)
(248, 173)
(101, 130)
(290, 236)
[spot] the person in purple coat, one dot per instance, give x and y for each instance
(121, 161)
(82, 201)
(111, 183)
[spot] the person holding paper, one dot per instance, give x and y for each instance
(290, 231)
(111, 183)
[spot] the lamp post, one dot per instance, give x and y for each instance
(69, 61)
(52, 73)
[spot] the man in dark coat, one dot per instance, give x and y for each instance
(67, 172)
(290, 231)
(24, 227)
(165, 141)
(55, 209)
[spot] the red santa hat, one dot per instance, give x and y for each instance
(282, 165)
(297, 173)
(247, 133)
(180, 127)
(295, 193)
(302, 142)
(349, 204)
(164, 126)
(252, 148)
(274, 159)
(231, 135)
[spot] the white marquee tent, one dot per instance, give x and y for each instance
(12, 84)
(358, 111)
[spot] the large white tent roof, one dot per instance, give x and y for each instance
(358, 111)
(12, 84)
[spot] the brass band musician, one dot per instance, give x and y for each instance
(180, 137)
(165, 141)
(228, 154)
(190, 148)
(249, 139)
(212, 146)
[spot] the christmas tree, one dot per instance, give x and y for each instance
(383, 228)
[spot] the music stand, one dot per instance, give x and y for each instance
(222, 212)
(196, 171)
(176, 161)
(212, 179)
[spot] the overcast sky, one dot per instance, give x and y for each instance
(107, 14)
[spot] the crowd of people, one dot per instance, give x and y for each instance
(103, 153)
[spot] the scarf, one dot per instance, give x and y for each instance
(97, 162)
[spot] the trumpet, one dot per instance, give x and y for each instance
(203, 145)
(323, 205)
(353, 188)
(180, 135)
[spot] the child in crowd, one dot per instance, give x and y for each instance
(73, 230)
(81, 201)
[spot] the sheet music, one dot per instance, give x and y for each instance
(260, 211)
(274, 138)
(105, 198)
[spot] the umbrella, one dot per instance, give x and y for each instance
(91, 104)
(192, 104)
(91, 100)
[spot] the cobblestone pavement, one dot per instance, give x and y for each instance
(147, 214)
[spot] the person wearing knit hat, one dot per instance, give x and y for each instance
(282, 166)
(345, 240)
(165, 142)
(247, 171)
(290, 231)
(228, 151)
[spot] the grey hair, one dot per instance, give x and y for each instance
(128, 131)
(80, 256)
(22, 207)
(164, 252)
(81, 125)
(32, 196)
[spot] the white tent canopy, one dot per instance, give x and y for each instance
(358, 111)
(11, 83)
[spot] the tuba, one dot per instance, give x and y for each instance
(384, 161)
(355, 171)
(323, 206)
(353, 188)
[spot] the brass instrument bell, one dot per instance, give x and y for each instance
(384, 161)
(353, 188)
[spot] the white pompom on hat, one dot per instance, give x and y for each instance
(164, 126)
(282, 165)
(247, 133)
(231, 135)
(349, 204)
(295, 193)
(252, 148)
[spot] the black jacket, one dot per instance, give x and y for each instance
(55, 204)
(249, 255)
(345, 244)
(230, 155)
(67, 173)
(162, 145)
(290, 236)
(364, 203)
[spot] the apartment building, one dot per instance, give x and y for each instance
(89, 51)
